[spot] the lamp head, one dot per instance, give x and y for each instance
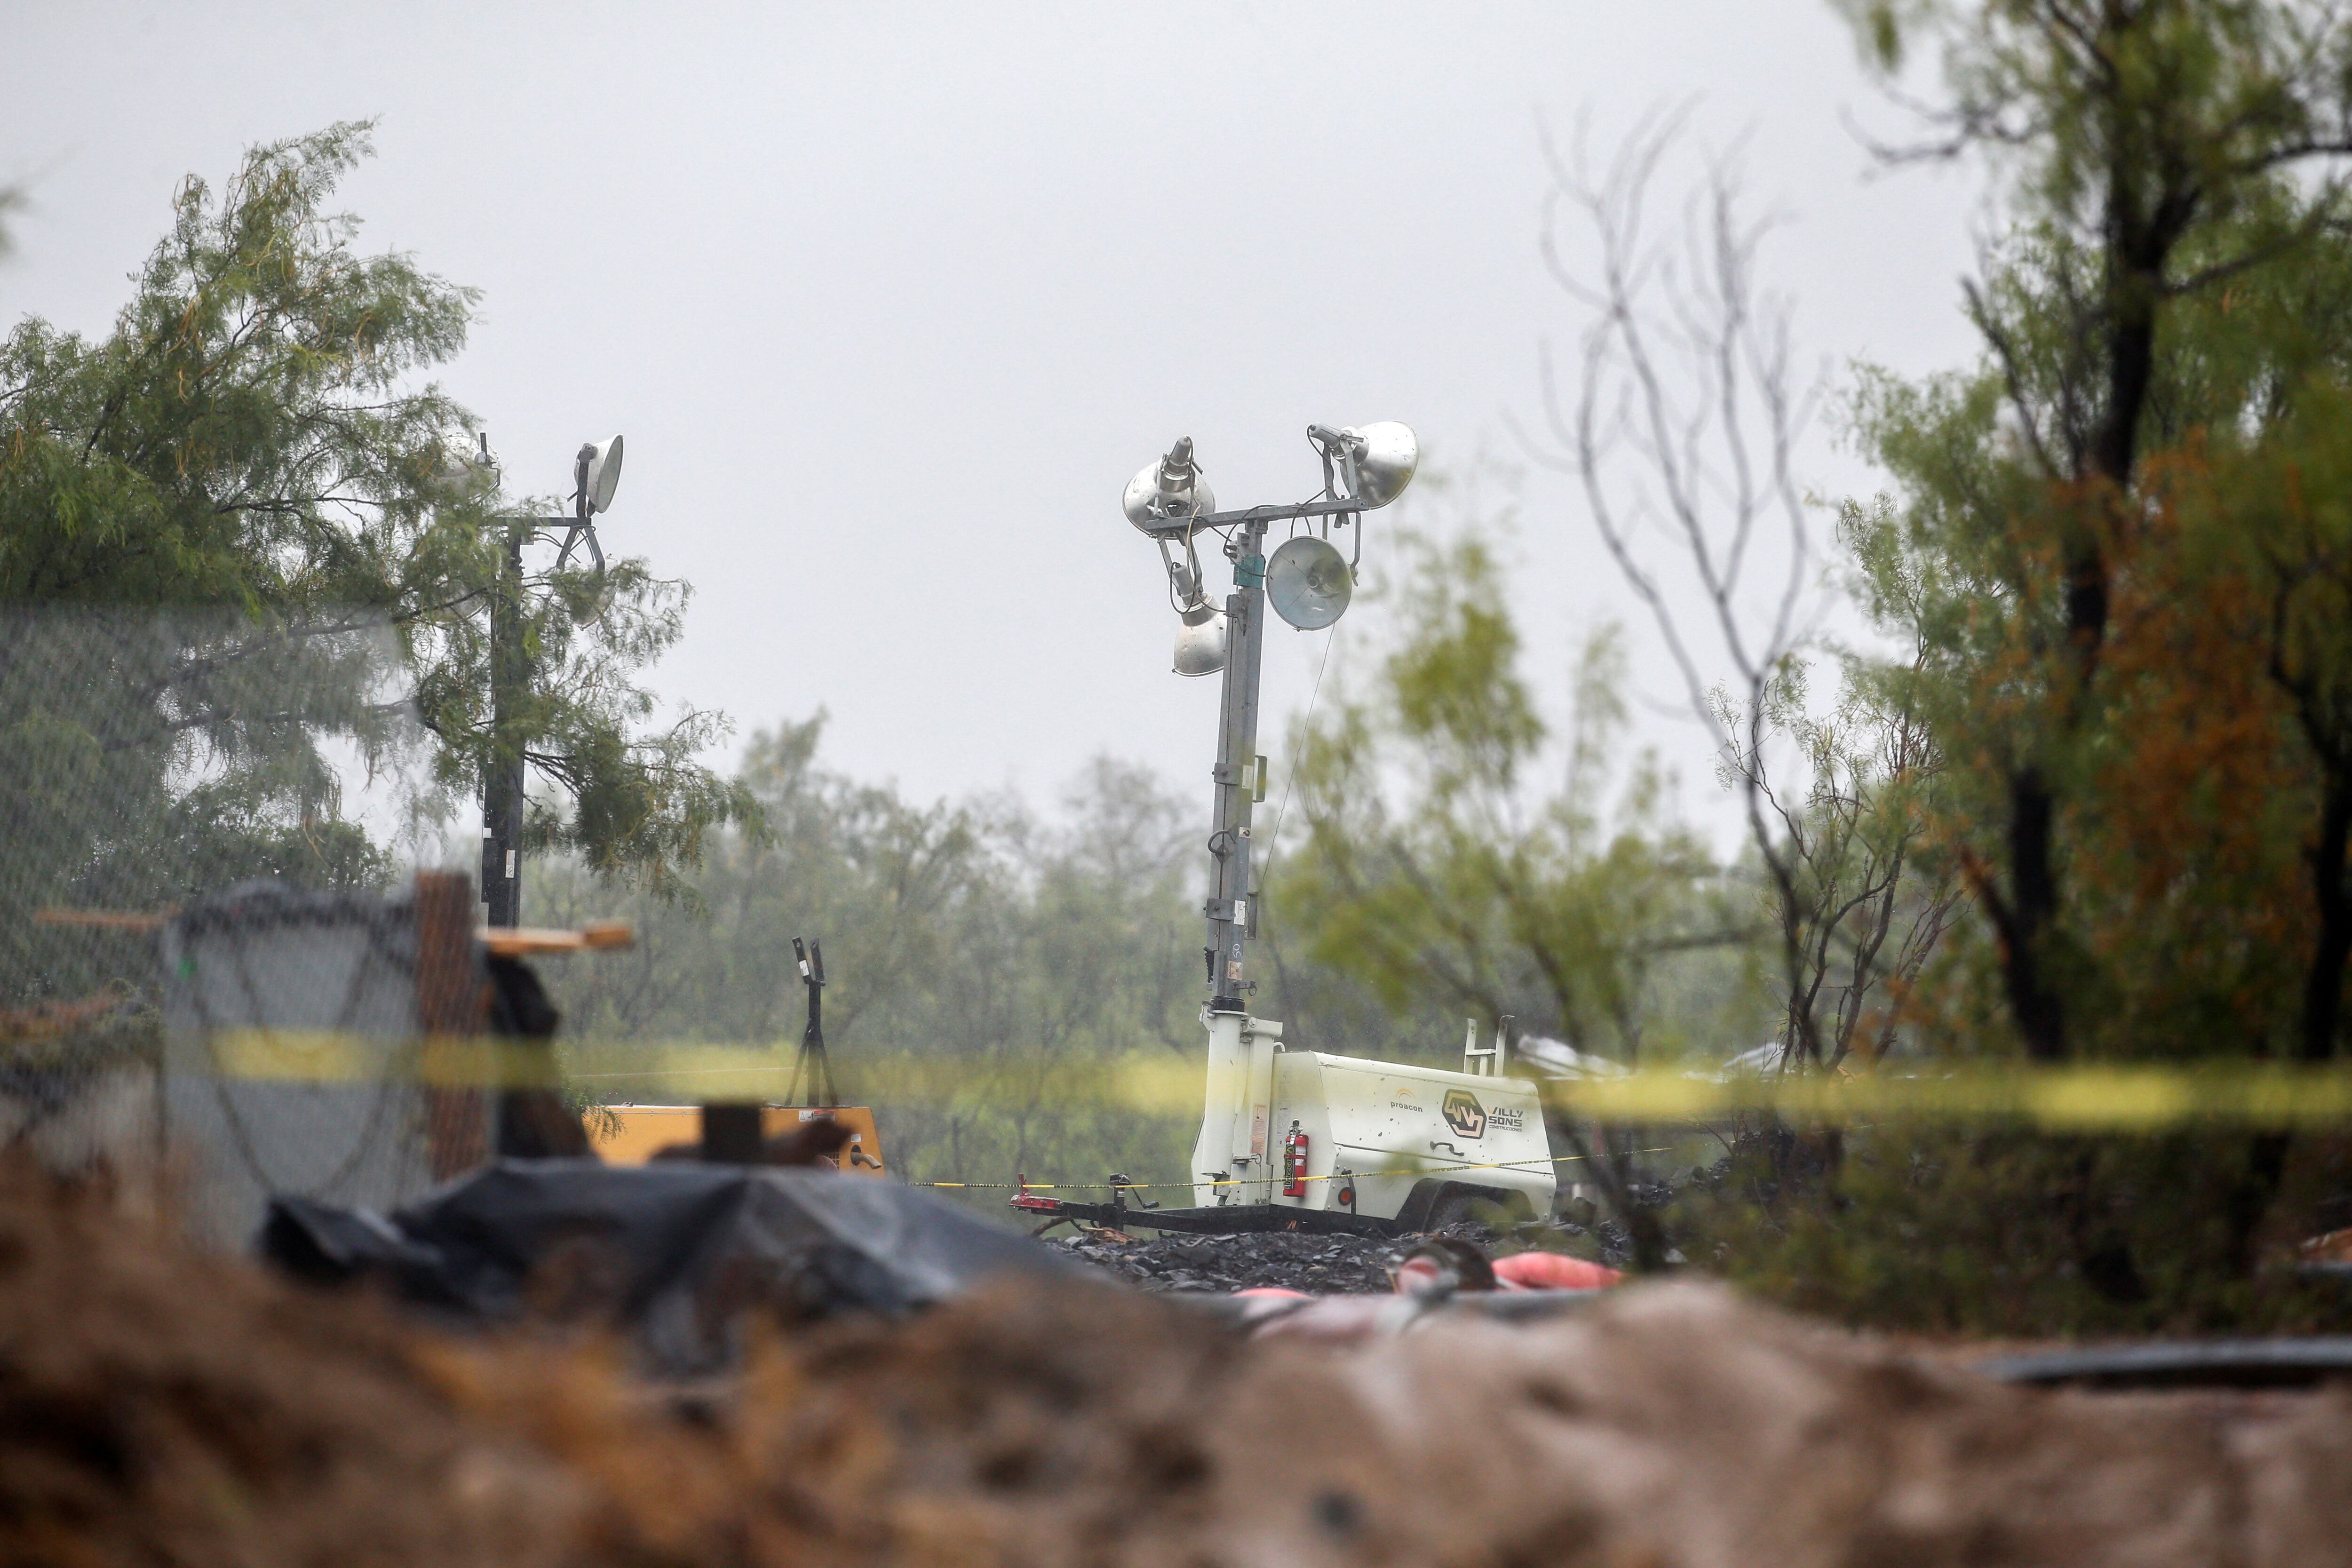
(1201, 641)
(461, 474)
(597, 470)
(1375, 461)
(1169, 490)
(1308, 583)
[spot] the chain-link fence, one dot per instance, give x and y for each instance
(208, 828)
(341, 990)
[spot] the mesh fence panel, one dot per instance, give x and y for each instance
(208, 830)
(332, 987)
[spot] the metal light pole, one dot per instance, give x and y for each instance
(596, 472)
(1238, 777)
(1170, 503)
(502, 782)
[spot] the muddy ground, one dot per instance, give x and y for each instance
(160, 1407)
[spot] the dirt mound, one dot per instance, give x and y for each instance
(159, 1408)
(1676, 1423)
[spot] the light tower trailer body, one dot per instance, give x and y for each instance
(1307, 1140)
(1313, 1133)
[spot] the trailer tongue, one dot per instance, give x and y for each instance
(1306, 1139)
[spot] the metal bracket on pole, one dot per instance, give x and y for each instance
(1256, 516)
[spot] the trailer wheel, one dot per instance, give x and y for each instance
(1452, 1206)
(1458, 1202)
(1414, 1216)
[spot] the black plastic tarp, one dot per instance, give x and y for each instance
(678, 1253)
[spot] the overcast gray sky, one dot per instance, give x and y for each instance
(891, 299)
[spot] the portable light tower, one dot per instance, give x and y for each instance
(1307, 585)
(1291, 1138)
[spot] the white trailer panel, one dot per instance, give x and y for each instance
(1382, 1128)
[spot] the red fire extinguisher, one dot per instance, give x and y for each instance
(1294, 1163)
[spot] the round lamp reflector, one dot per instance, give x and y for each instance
(1306, 583)
(1201, 646)
(1389, 454)
(604, 474)
(1148, 504)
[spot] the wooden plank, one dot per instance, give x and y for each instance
(451, 1000)
(522, 941)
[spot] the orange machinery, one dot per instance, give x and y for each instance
(632, 1134)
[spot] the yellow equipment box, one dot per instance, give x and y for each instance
(634, 1133)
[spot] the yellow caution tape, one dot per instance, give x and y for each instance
(2094, 1098)
(1414, 1170)
(324, 1055)
(2085, 1099)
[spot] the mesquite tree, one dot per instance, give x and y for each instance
(231, 546)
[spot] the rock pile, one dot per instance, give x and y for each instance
(1292, 1261)
(1319, 1265)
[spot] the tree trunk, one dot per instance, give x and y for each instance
(2131, 369)
(2137, 248)
(2034, 1002)
(2323, 993)
(2040, 1013)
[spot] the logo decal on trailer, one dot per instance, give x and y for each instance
(1463, 1113)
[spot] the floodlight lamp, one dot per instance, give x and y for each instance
(1201, 641)
(461, 474)
(1308, 583)
(1170, 490)
(1375, 461)
(597, 472)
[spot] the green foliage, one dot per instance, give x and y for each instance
(1440, 875)
(2114, 554)
(231, 534)
(2171, 283)
(2005, 1231)
(146, 754)
(2186, 99)
(241, 438)
(2183, 784)
(2282, 518)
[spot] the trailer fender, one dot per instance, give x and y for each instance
(1435, 1204)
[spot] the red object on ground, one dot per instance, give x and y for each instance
(1553, 1271)
(1023, 1198)
(1275, 1292)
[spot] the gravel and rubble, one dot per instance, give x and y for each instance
(1344, 1265)
(1295, 1260)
